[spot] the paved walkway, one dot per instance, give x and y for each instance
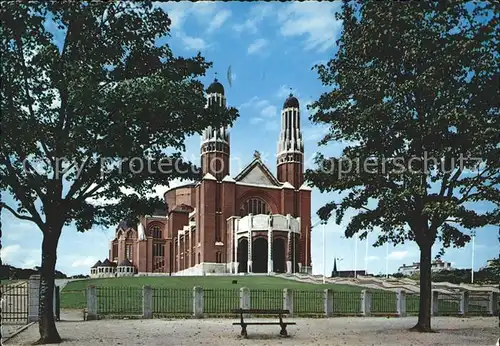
(334, 331)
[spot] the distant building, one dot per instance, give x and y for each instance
(346, 273)
(256, 222)
(436, 266)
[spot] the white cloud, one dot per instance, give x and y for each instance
(219, 19)
(372, 258)
(207, 13)
(83, 262)
(269, 111)
(17, 256)
(257, 46)
(398, 255)
(313, 20)
(194, 43)
(256, 15)
(10, 252)
(314, 132)
(285, 90)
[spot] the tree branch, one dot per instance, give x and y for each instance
(17, 215)
(30, 103)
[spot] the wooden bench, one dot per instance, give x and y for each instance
(243, 324)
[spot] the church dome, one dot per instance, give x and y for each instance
(291, 102)
(215, 88)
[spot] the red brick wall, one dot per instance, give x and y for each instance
(292, 173)
(206, 209)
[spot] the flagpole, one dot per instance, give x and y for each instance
(472, 268)
(387, 260)
(366, 256)
(324, 259)
(356, 256)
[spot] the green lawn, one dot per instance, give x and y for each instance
(252, 282)
(173, 295)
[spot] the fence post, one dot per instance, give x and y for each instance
(288, 300)
(33, 297)
(401, 303)
(244, 299)
(493, 304)
(147, 301)
(57, 303)
(198, 302)
(366, 302)
(434, 303)
(91, 303)
(328, 302)
(464, 303)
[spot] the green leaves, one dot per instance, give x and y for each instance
(85, 90)
(412, 92)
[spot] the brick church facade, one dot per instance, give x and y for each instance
(255, 222)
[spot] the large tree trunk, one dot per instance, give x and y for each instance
(424, 312)
(46, 321)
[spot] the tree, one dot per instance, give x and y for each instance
(413, 95)
(94, 105)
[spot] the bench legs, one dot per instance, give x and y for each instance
(283, 332)
(244, 330)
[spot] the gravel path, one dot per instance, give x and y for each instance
(481, 331)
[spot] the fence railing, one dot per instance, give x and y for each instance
(148, 302)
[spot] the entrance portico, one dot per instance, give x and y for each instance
(265, 244)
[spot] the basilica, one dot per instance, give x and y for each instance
(254, 222)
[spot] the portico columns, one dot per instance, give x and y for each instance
(250, 241)
(270, 250)
(235, 259)
(249, 262)
(289, 254)
(178, 252)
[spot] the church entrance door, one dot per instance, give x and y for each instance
(279, 265)
(259, 255)
(242, 256)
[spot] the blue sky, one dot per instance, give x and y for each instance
(271, 48)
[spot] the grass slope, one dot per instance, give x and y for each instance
(208, 282)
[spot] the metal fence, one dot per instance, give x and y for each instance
(449, 303)
(172, 302)
(14, 303)
(122, 301)
(179, 302)
(346, 303)
(220, 302)
(478, 304)
(309, 302)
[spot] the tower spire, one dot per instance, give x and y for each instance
(215, 141)
(290, 158)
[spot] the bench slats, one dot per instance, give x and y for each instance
(263, 323)
(260, 311)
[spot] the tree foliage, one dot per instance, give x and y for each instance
(94, 104)
(414, 94)
(86, 88)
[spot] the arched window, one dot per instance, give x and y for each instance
(156, 232)
(254, 206)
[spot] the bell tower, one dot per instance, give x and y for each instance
(215, 141)
(290, 157)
